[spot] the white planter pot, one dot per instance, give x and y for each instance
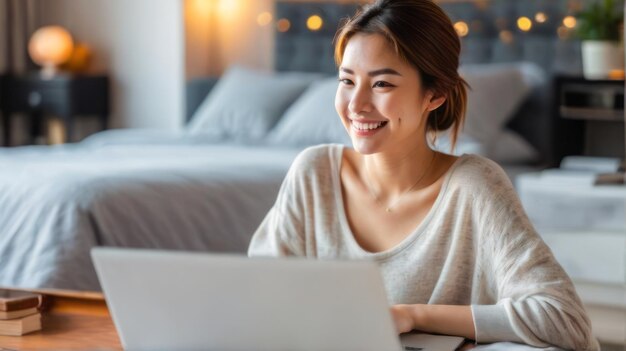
(601, 57)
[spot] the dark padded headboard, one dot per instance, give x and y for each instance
(493, 34)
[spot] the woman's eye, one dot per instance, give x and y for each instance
(381, 84)
(345, 81)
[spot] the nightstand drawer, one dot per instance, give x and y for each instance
(50, 98)
(64, 96)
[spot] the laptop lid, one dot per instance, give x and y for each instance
(181, 300)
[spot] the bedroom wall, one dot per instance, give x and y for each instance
(140, 45)
(223, 33)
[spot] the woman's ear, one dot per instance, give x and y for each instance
(435, 102)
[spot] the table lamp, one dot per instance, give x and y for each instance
(50, 47)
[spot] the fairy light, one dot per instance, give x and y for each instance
(461, 28)
(506, 36)
(563, 32)
(314, 22)
(264, 18)
(569, 22)
(283, 25)
(524, 23)
(541, 17)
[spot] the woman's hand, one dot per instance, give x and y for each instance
(435, 319)
(402, 318)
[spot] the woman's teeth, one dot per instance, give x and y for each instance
(367, 126)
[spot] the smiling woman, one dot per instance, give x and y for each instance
(457, 252)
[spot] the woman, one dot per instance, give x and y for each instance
(457, 252)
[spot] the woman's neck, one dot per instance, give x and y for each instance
(391, 173)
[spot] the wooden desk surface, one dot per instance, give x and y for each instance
(70, 320)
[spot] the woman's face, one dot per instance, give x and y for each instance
(380, 98)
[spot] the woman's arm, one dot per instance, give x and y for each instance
(439, 319)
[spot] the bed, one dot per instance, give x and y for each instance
(207, 187)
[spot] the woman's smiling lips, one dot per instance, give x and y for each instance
(364, 127)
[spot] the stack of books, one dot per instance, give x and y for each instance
(19, 313)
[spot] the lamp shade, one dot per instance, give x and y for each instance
(50, 46)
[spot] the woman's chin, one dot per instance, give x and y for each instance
(364, 146)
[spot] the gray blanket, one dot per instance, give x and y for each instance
(57, 203)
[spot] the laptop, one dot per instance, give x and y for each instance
(166, 300)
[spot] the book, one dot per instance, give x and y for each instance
(20, 326)
(18, 313)
(11, 300)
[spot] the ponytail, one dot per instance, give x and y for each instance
(450, 115)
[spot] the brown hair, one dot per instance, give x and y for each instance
(422, 35)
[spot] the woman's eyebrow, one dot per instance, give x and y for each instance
(377, 72)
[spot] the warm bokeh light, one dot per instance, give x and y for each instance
(264, 18)
(283, 25)
(199, 7)
(50, 46)
(502, 23)
(524, 23)
(541, 17)
(563, 32)
(616, 74)
(481, 4)
(314, 22)
(228, 8)
(506, 36)
(461, 28)
(569, 22)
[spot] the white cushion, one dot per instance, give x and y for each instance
(245, 104)
(508, 147)
(496, 92)
(312, 119)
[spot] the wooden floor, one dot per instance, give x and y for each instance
(70, 320)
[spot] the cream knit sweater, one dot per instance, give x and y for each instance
(475, 247)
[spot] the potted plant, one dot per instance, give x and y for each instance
(600, 30)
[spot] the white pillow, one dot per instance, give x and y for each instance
(245, 104)
(312, 119)
(465, 144)
(508, 147)
(496, 92)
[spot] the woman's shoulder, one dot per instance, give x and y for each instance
(315, 159)
(477, 172)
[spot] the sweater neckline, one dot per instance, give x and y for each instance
(410, 238)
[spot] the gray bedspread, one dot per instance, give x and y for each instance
(57, 203)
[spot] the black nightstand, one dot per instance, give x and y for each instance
(64, 96)
(589, 117)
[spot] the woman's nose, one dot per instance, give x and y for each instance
(360, 101)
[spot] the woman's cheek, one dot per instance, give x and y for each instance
(341, 103)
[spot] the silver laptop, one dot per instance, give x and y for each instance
(163, 300)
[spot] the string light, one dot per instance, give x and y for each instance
(461, 28)
(506, 36)
(314, 22)
(569, 22)
(524, 23)
(283, 25)
(562, 32)
(541, 17)
(264, 18)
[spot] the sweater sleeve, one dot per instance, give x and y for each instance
(536, 300)
(281, 232)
